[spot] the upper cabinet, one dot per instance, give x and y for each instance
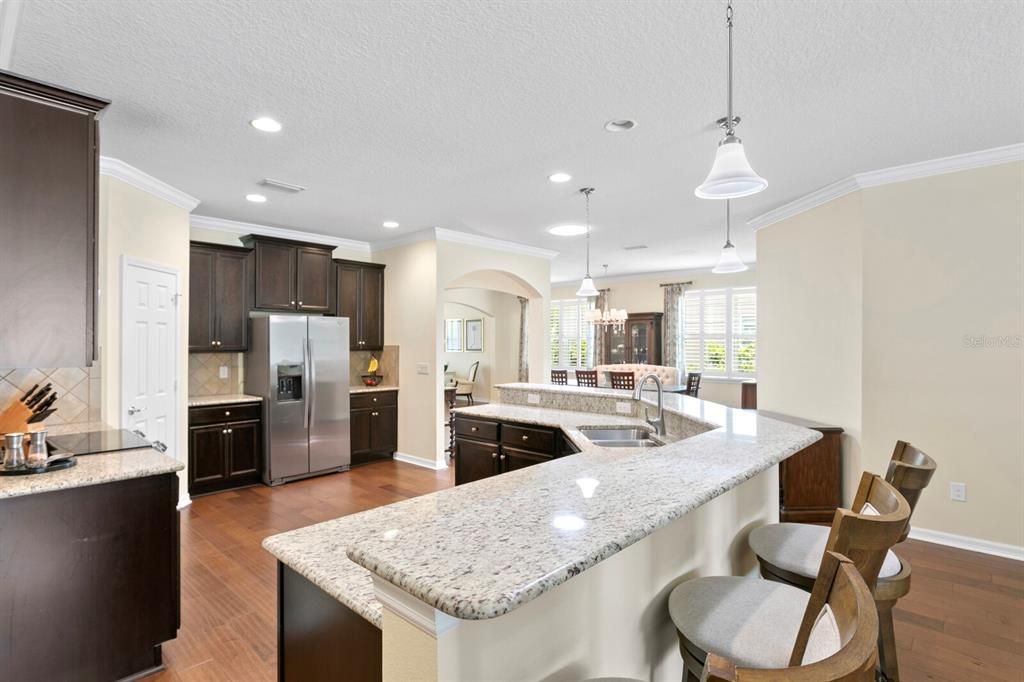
(49, 153)
(291, 276)
(219, 292)
(361, 300)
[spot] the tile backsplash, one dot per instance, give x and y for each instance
(204, 373)
(388, 358)
(77, 389)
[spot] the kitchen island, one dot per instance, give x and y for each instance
(555, 571)
(89, 566)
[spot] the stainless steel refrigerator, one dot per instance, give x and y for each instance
(298, 364)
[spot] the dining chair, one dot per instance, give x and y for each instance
(586, 377)
(464, 387)
(560, 377)
(622, 379)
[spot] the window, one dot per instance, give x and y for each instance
(571, 336)
(720, 332)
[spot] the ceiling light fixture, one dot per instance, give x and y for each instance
(609, 317)
(587, 289)
(731, 176)
(390, 224)
(256, 198)
(266, 124)
(729, 261)
(567, 230)
(560, 177)
(620, 125)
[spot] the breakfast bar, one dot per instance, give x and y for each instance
(558, 571)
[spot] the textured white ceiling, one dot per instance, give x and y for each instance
(454, 113)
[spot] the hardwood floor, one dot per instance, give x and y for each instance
(963, 619)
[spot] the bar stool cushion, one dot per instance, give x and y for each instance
(751, 622)
(798, 548)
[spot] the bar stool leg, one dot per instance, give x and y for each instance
(887, 661)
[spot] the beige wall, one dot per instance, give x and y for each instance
(499, 361)
(643, 294)
(137, 224)
(936, 268)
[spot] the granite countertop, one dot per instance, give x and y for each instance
(370, 389)
(533, 529)
(228, 399)
(91, 469)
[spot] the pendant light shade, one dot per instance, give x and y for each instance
(587, 288)
(731, 176)
(729, 261)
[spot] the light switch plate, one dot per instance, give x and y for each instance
(223, 372)
(422, 368)
(624, 408)
(958, 491)
(533, 398)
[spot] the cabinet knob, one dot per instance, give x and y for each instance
(525, 437)
(223, 430)
(292, 303)
(473, 428)
(374, 400)
(300, 302)
(231, 430)
(373, 414)
(494, 455)
(227, 413)
(502, 457)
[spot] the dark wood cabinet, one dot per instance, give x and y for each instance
(638, 342)
(485, 448)
(225, 447)
(374, 425)
(49, 155)
(291, 276)
(360, 298)
(218, 312)
(810, 482)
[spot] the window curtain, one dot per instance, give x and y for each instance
(600, 303)
(524, 366)
(672, 327)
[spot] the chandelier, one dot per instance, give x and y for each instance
(613, 317)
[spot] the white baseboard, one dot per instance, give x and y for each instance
(420, 461)
(184, 502)
(964, 542)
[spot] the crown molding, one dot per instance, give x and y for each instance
(116, 168)
(426, 235)
(887, 176)
(445, 235)
(9, 10)
(240, 228)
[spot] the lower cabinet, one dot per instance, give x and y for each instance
(374, 426)
(225, 447)
(810, 482)
(485, 448)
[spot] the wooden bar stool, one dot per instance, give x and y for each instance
(789, 552)
(586, 377)
(755, 622)
(836, 640)
(560, 377)
(622, 379)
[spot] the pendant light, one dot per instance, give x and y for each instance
(729, 261)
(731, 176)
(587, 289)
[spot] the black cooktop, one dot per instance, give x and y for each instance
(96, 442)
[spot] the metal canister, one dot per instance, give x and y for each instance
(37, 452)
(14, 450)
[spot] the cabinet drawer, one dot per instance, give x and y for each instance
(537, 440)
(198, 416)
(476, 428)
(359, 401)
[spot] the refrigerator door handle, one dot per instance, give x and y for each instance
(305, 380)
(312, 384)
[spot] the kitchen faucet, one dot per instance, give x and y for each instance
(658, 422)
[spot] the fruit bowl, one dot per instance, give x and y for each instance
(372, 379)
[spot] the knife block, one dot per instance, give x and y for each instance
(14, 419)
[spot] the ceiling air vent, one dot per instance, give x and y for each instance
(282, 186)
(636, 247)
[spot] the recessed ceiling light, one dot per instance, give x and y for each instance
(567, 230)
(559, 177)
(635, 247)
(256, 198)
(390, 224)
(620, 125)
(267, 125)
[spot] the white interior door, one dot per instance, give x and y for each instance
(149, 333)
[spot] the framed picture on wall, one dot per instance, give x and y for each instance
(474, 336)
(453, 335)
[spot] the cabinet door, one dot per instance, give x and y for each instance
(275, 276)
(232, 301)
(474, 460)
(384, 429)
(371, 309)
(513, 458)
(360, 430)
(639, 342)
(201, 314)
(348, 301)
(315, 268)
(206, 465)
(615, 346)
(244, 446)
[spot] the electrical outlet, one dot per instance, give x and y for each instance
(624, 408)
(422, 368)
(223, 373)
(533, 398)
(958, 492)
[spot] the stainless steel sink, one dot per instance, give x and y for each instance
(624, 437)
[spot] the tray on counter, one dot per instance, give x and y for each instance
(53, 466)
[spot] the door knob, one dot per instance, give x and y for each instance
(133, 410)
